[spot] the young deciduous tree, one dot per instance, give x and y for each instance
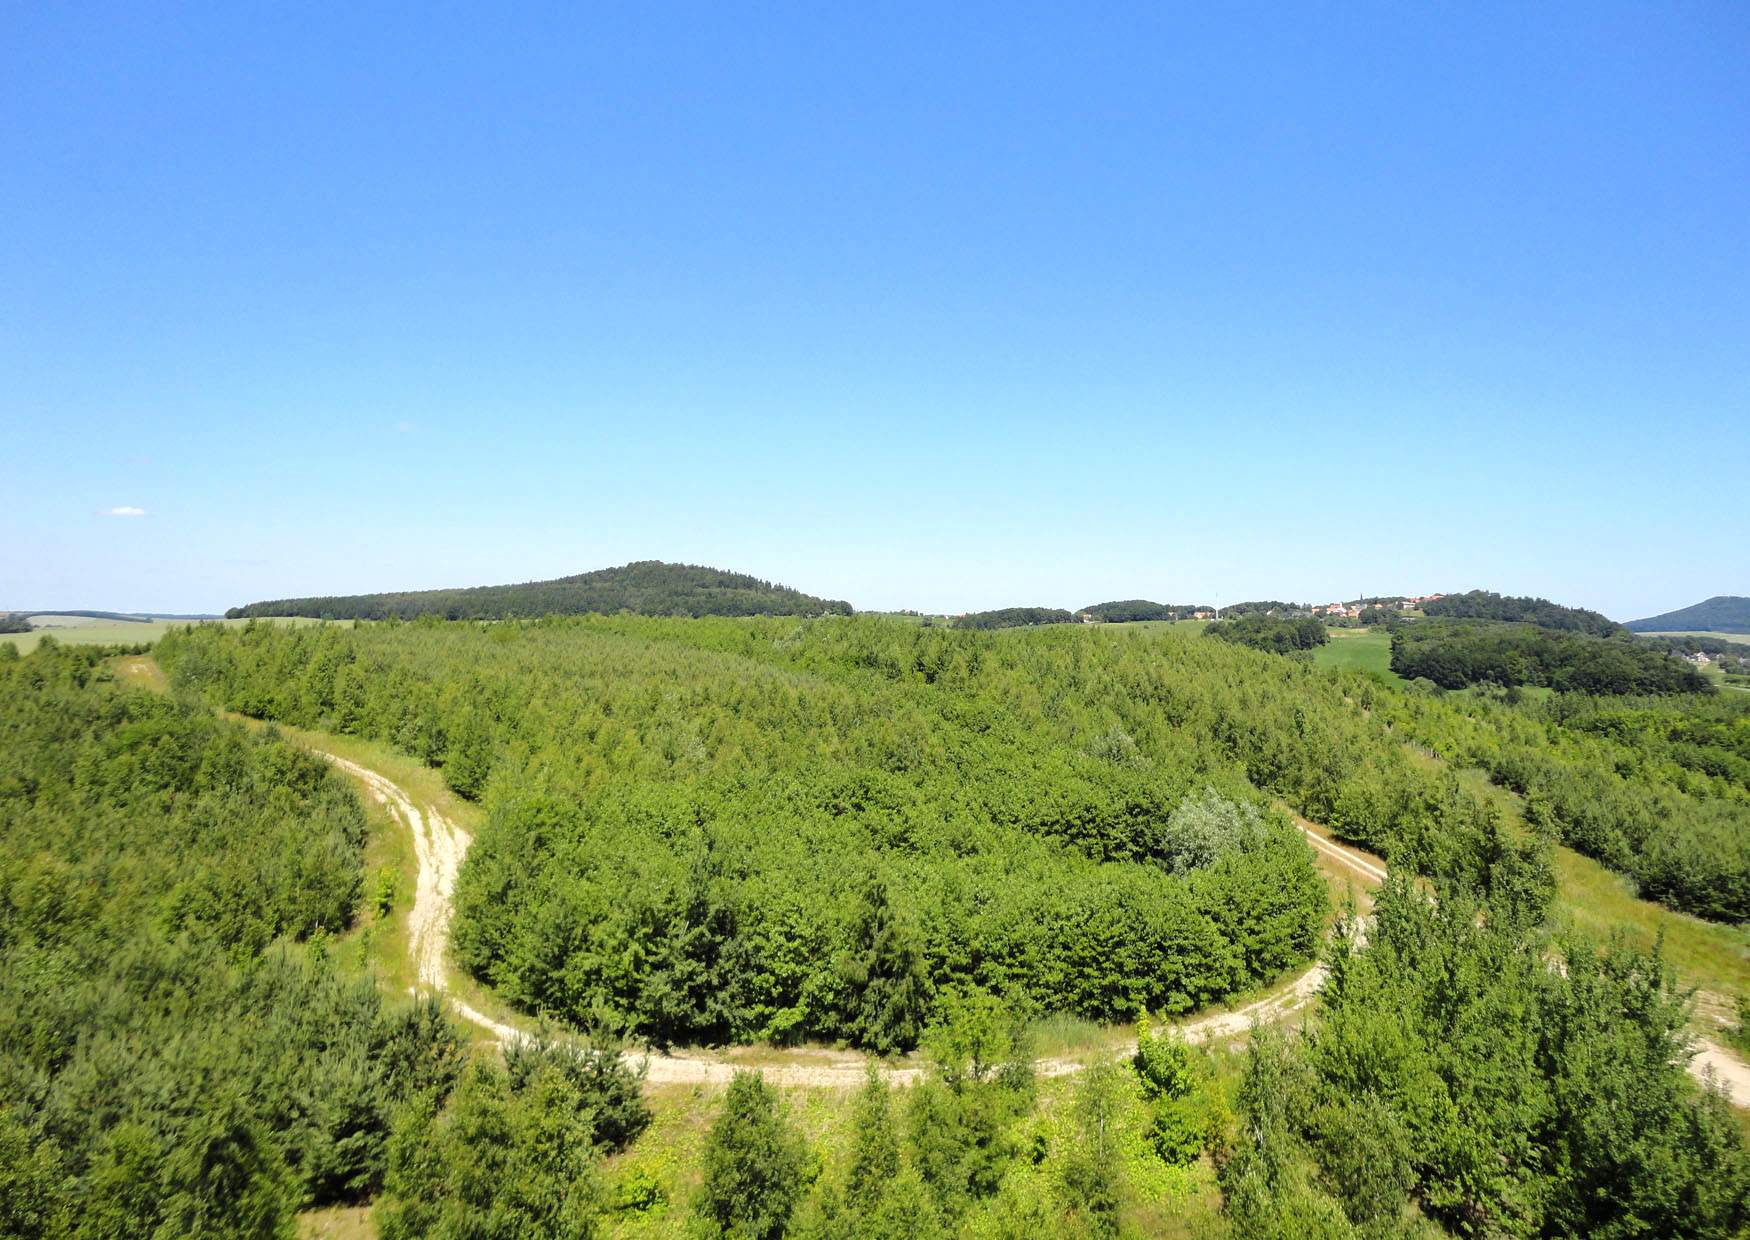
(1091, 1164)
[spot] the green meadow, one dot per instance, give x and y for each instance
(1359, 650)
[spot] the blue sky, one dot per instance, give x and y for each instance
(915, 307)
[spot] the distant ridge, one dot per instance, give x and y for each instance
(1723, 613)
(648, 587)
(137, 617)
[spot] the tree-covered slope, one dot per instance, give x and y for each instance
(1724, 613)
(1013, 618)
(739, 829)
(648, 587)
(1486, 605)
(1457, 653)
(173, 1059)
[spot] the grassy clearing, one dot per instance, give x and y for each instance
(1706, 954)
(652, 1185)
(337, 1223)
(1360, 650)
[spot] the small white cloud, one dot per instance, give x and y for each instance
(403, 426)
(124, 510)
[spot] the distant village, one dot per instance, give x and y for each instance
(1353, 611)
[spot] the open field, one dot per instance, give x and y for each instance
(87, 631)
(1725, 637)
(1360, 650)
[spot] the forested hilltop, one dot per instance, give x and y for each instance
(648, 587)
(1485, 605)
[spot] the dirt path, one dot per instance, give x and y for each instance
(440, 845)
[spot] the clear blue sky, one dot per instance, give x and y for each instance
(941, 306)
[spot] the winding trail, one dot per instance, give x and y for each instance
(440, 845)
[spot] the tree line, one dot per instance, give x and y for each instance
(1457, 653)
(1269, 633)
(1013, 618)
(1133, 609)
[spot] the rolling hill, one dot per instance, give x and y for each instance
(648, 587)
(1724, 613)
(1516, 609)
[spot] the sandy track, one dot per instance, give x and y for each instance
(440, 845)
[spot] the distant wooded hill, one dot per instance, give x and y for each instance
(1486, 605)
(1724, 613)
(649, 588)
(1013, 618)
(1130, 609)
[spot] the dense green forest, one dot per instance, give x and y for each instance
(1013, 618)
(648, 587)
(847, 828)
(1724, 613)
(1133, 609)
(1457, 653)
(183, 1050)
(1485, 605)
(731, 830)
(162, 874)
(1698, 744)
(1263, 632)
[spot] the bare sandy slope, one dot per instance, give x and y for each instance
(440, 846)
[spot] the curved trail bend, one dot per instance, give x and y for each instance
(440, 845)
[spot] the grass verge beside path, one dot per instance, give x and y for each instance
(1709, 955)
